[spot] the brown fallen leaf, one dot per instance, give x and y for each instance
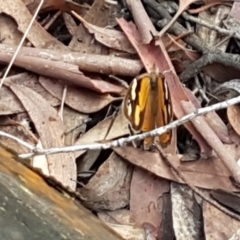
(108, 189)
(109, 129)
(121, 216)
(80, 99)
(63, 5)
(51, 132)
(108, 37)
(74, 124)
(98, 132)
(146, 198)
(87, 161)
(119, 127)
(18, 131)
(129, 232)
(235, 11)
(71, 25)
(9, 32)
(214, 141)
(233, 113)
(208, 174)
(220, 73)
(9, 103)
(73, 119)
(28, 80)
(38, 36)
(98, 15)
(218, 225)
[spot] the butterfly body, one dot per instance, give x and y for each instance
(147, 105)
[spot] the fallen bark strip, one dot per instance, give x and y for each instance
(31, 209)
(104, 64)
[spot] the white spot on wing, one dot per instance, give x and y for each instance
(133, 89)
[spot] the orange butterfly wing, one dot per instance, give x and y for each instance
(165, 114)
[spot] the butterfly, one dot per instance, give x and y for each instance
(147, 105)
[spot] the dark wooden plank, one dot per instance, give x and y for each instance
(31, 209)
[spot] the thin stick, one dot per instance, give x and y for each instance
(139, 137)
(18, 140)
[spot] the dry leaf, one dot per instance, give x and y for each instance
(9, 32)
(208, 174)
(10, 104)
(191, 54)
(218, 225)
(97, 15)
(233, 113)
(98, 132)
(211, 37)
(31, 81)
(49, 5)
(74, 125)
(80, 99)
(129, 232)
(109, 37)
(109, 187)
(146, 198)
(20, 132)
(119, 128)
(51, 132)
(38, 36)
(235, 11)
(122, 216)
(73, 119)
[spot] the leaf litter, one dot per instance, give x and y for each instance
(126, 186)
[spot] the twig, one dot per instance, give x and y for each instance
(103, 64)
(201, 91)
(55, 16)
(211, 26)
(18, 140)
(210, 55)
(196, 190)
(139, 137)
(120, 81)
(64, 95)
